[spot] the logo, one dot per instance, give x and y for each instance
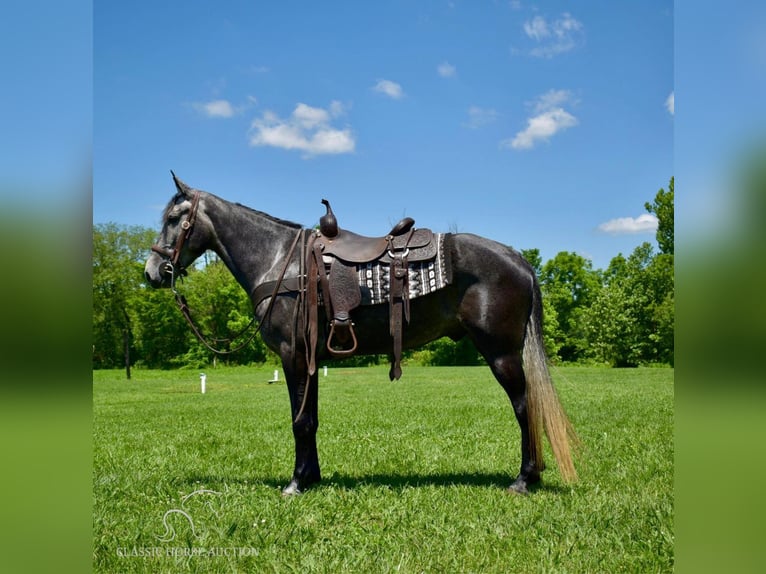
(189, 520)
(170, 532)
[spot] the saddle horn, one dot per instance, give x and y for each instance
(328, 223)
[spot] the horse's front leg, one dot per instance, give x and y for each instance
(303, 402)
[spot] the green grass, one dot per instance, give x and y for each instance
(414, 475)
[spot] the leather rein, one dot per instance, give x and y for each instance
(172, 268)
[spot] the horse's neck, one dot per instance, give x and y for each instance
(252, 245)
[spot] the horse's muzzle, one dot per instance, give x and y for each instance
(159, 273)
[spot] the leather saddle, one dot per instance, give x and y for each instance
(332, 257)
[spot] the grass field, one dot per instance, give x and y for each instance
(414, 475)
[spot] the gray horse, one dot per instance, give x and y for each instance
(493, 297)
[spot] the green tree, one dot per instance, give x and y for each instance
(223, 310)
(611, 327)
(534, 259)
(553, 336)
(162, 335)
(631, 321)
(663, 208)
(660, 311)
(570, 284)
(552, 333)
(118, 257)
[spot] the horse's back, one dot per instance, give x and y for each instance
(487, 259)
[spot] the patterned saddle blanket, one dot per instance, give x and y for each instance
(424, 277)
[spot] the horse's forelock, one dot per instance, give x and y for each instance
(171, 204)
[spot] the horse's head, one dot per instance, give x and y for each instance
(181, 239)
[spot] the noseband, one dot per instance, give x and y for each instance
(172, 256)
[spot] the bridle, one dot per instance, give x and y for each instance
(171, 263)
(171, 267)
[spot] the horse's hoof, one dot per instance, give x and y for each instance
(292, 489)
(519, 487)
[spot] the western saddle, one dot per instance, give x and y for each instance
(332, 257)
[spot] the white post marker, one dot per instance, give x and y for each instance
(325, 370)
(276, 375)
(202, 380)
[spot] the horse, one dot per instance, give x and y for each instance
(493, 298)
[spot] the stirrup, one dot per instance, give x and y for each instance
(341, 352)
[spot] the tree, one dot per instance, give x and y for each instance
(552, 333)
(660, 284)
(663, 209)
(162, 335)
(570, 284)
(118, 256)
(534, 259)
(223, 310)
(611, 325)
(631, 321)
(446, 352)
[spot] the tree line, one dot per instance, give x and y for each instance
(621, 316)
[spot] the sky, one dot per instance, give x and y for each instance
(532, 123)
(538, 124)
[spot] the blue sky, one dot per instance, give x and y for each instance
(538, 124)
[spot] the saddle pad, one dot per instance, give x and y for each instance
(424, 276)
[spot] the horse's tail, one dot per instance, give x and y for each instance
(544, 410)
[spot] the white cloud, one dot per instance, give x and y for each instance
(308, 129)
(537, 28)
(549, 119)
(337, 108)
(478, 117)
(389, 88)
(216, 109)
(670, 104)
(446, 70)
(555, 37)
(552, 99)
(645, 223)
(222, 108)
(309, 118)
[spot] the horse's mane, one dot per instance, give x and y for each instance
(271, 217)
(178, 195)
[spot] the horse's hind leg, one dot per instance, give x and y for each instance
(509, 372)
(304, 408)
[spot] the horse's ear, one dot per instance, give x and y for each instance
(182, 188)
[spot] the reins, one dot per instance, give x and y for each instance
(171, 265)
(186, 312)
(172, 268)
